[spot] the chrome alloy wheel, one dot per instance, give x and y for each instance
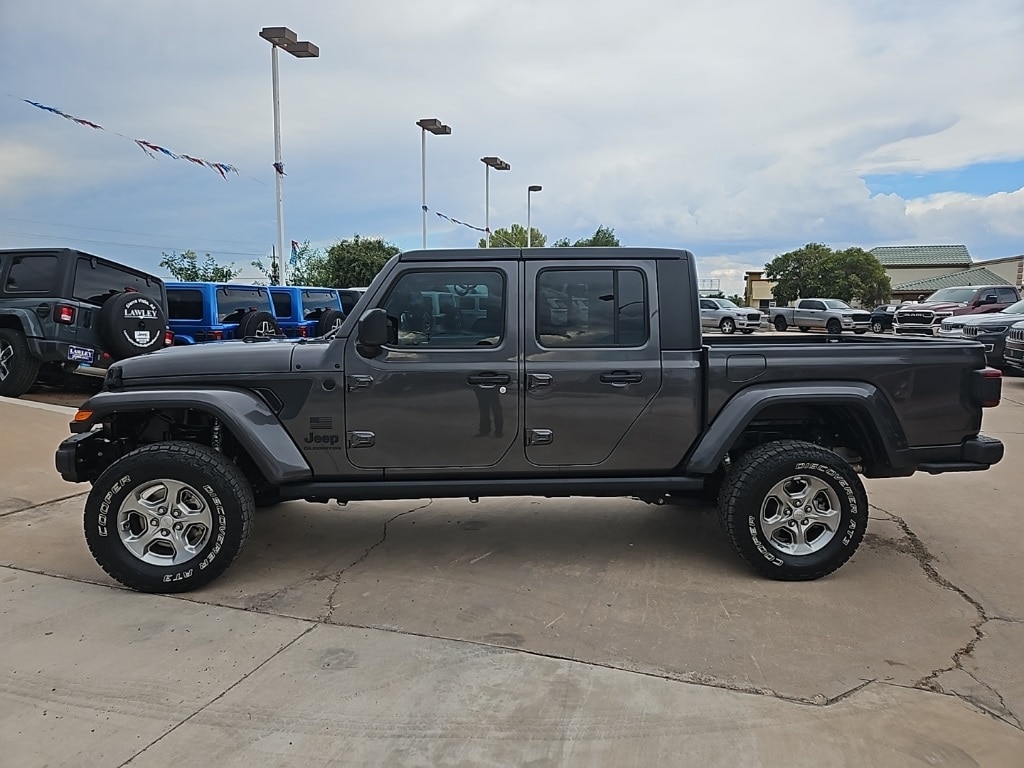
(6, 355)
(164, 522)
(800, 515)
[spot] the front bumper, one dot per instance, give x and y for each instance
(912, 329)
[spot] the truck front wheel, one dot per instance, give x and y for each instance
(793, 510)
(168, 517)
(833, 326)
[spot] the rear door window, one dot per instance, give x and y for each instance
(591, 308)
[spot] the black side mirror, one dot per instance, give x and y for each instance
(372, 331)
(990, 298)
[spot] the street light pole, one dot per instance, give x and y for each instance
(529, 230)
(437, 128)
(499, 165)
(282, 37)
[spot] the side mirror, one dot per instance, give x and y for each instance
(989, 298)
(372, 331)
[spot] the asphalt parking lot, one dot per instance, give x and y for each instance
(519, 632)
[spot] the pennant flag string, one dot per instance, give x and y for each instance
(149, 147)
(470, 226)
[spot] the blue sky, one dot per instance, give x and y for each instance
(736, 129)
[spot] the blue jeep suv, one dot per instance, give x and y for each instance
(305, 312)
(202, 312)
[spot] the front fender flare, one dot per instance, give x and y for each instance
(737, 414)
(249, 419)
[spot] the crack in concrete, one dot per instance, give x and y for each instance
(223, 693)
(42, 504)
(326, 617)
(916, 549)
(262, 604)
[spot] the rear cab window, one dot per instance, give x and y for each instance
(96, 281)
(234, 302)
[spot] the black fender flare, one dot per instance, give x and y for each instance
(249, 419)
(737, 414)
(29, 325)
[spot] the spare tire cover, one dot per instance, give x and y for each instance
(258, 324)
(328, 321)
(130, 324)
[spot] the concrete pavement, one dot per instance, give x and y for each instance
(518, 632)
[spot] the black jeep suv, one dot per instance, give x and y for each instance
(63, 310)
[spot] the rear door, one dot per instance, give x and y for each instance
(442, 394)
(593, 359)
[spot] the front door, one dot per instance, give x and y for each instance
(593, 359)
(446, 392)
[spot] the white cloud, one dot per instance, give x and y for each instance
(735, 127)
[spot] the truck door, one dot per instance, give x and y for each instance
(446, 392)
(593, 358)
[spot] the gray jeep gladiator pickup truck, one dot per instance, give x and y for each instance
(573, 372)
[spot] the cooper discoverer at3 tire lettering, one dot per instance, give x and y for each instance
(793, 510)
(168, 517)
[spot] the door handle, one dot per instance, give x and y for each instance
(621, 378)
(539, 380)
(488, 379)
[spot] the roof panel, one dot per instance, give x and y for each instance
(922, 256)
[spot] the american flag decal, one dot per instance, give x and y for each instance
(321, 422)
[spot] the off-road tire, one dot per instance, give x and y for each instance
(18, 368)
(203, 478)
(329, 320)
(728, 325)
(131, 324)
(834, 327)
(748, 502)
(258, 325)
(780, 323)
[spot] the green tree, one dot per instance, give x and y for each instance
(185, 267)
(603, 237)
(852, 275)
(356, 261)
(307, 267)
(514, 237)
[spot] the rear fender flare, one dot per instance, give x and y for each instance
(249, 419)
(745, 406)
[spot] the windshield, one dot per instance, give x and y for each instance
(837, 304)
(726, 304)
(957, 295)
(1014, 309)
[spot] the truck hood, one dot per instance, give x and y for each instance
(991, 318)
(934, 306)
(217, 359)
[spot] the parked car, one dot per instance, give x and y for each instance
(834, 315)
(990, 329)
(350, 297)
(305, 312)
(925, 317)
(1013, 351)
(64, 311)
(882, 316)
(611, 392)
(205, 312)
(727, 317)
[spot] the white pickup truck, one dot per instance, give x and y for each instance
(834, 315)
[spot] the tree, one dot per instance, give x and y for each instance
(514, 237)
(603, 237)
(307, 267)
(816, 270)
(356, 261)
(186, 268)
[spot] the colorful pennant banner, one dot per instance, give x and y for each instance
(148, 147)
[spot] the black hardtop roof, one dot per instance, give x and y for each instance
(75, 253)
(543, 254)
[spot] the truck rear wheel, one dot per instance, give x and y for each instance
(168, 517)
(18, 368)
(780, 323)
(793, 510)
